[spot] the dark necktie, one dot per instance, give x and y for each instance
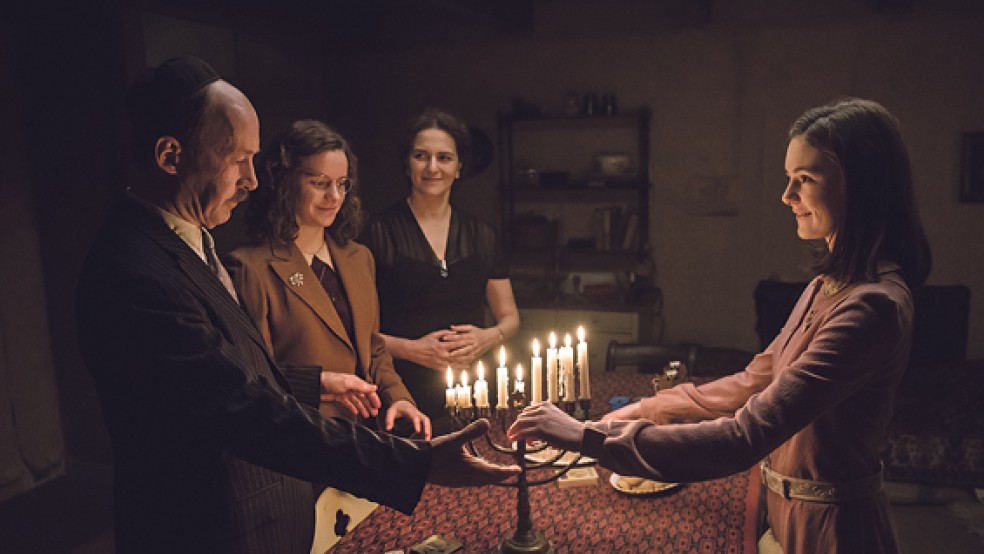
(216, 266)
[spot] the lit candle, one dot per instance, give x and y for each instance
(566, 356)
(520, 385)
(502, 381)
(582, 365)
(481, 388)
(464, 398)
(536, 373)
(450, 396)
(552, 381)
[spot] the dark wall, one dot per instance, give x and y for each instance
(69, 67)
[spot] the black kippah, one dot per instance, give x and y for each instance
(178, 78)
(165, 99)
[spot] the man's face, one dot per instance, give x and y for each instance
(219, 175)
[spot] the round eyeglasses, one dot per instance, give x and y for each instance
(322, 182)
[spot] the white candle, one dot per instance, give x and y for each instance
(464, 399)
(502, 381)
(566, 356)
(536, 374)
(582, 365)
(552, 381)
(450, 395)
(520, 385)
(481, 388)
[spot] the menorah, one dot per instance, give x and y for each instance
(525, 539)
(568, 387)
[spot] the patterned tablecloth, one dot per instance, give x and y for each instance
(711, 517)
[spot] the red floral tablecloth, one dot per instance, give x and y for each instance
(712, 517)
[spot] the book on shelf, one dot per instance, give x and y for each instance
(616, 228)
(608, 228)
(630, 237)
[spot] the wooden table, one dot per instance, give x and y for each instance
(715, 516)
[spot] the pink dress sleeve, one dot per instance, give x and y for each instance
(849, 363)
(686, 403)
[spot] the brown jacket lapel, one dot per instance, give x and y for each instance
(287, 264)
(360, 296)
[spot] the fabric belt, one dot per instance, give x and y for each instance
(820, 491)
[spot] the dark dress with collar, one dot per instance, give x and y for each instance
(210, 448)
(418, 296)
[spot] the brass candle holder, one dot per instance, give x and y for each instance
(525, 538)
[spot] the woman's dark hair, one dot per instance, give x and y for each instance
(272, 211)
(433, 118)
(880, 220)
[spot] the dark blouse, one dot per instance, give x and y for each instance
(332, 284)
(418, 296)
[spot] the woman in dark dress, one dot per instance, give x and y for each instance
(437, 268)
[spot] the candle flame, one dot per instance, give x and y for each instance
(536, 348)
(464, 378)
(502, 356)
(481, 371)
(580, 334)
(567, 340)
(519, 372)
(450, 379)
(553, 340)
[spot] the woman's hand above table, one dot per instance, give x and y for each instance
(403, 408)
(350, 391)
(548, 423)
(469, 342)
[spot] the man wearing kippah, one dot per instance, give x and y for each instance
(212, 450)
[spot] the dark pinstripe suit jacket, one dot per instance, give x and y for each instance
(211, 450)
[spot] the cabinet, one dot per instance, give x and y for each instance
(575, 197)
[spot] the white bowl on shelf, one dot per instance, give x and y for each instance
(613, 163)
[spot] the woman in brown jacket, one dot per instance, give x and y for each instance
(310, 288)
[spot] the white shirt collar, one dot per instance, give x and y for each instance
(189, 232)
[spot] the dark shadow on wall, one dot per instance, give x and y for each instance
(69, 69)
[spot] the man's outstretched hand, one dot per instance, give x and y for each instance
(453, 466)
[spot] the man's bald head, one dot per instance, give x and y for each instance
(170, 100)
(196, 136)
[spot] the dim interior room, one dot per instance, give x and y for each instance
(718, 80)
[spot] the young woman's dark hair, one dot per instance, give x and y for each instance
(433, 118)
(880, 217)
(272, 210)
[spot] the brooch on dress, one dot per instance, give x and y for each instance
(444, 269)
(297, 279)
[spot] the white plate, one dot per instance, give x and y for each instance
(565, 460)
(644, 488)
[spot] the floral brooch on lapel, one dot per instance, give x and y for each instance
(297, 279)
